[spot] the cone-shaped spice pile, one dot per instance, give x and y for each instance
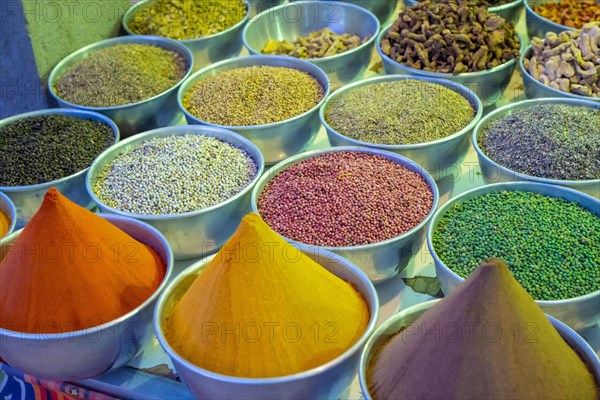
(487, 339)
(263, 309)
(70, 270)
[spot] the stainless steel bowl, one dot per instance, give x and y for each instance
(208, 49)
(9, 209)
(410, 315)
(194, 233)
(383, 9)
(276, 141)
(579, 312)
(258, 6)
(535, 89)
(509, 11)
(488, 85)
(381, 260)
(538, 26)
(441, 157)
(493, 172)
(327, 381)
(28, 199)
(294, 20)
(154, 112)
(83, 354)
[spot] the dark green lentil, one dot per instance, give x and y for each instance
(174, 174)
(253, 96)
(552, 246)
(399, 112)
(44, 148)
(554, 141)
(121, 74)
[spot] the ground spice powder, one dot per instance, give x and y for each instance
(263, 309)
(70, 270)
(4, 224)
(521, 357)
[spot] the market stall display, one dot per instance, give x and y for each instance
(210, 29)
(416, 351)
(50, 148)
(192, 183)
(337, 38)
(554, 141)
(87, 275)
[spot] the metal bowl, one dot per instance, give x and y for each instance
(327, 381)
(441, 157)
(208, 49)
(410, 315)
(279, 140)
(538, 26)
(383, 9)
(8, 208)
(340, 17)
(493, 172)
(488, 85)
(259, 6)
(28, 199)
(83, 354)
(194, 233)
(535, 89)
(579, 312)
(381, 260)
(509, 11)
(154, 112)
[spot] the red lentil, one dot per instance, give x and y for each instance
(345, 199)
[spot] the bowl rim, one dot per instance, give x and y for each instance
(506, 110)
(414, 71)
(560, 27)
(263, 60)
(70, 335)
(394, 157)
(80, 55)
(317, 60)
(524, 186)
(472, 98)
(75, 113)
(495, 9)
(220, 134)
(198, 266)
(135, 8)
(11, 212)
(556, 93)
(584, 350)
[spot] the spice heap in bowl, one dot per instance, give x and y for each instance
(509, 10)
(449, 39)
(491, 327)
(272, 101)
(427, 120)
(71, 276)
(8, 215)
(192, 183)
(369, 206)
(316, 316)
(571, 13)
(563, 65)
(548, 235)
(210, 29)
(49, 148)
(317, 44)
(130, 79)
(553, 141)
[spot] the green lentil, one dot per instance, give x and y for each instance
(399, 112)
(45, 148)
(552, 246)
(175, 174)
(253, 96)
(121, 74)
(554, 141)
(188, 19)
